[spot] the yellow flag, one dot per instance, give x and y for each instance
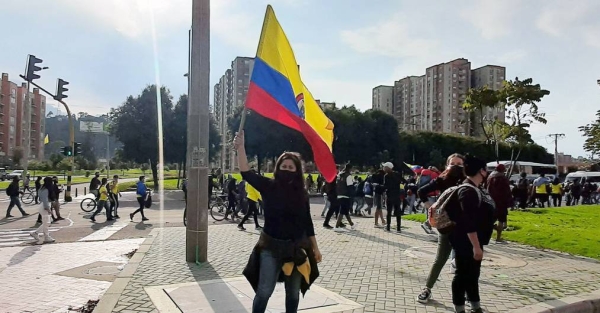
(46, 139)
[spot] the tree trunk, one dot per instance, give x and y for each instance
(154, 168)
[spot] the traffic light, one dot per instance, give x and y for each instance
(77, 146)
(61, 89)
(32, 68)
(67, 151)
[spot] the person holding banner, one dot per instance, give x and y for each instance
(287, 249)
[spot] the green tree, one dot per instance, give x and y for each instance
(479, 103)
(592, 134)
(55, 160)
(135, 124)
(521, 98)
(64, 165)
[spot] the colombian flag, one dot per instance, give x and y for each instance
(277, 92)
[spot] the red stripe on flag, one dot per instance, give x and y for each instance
(262, 103)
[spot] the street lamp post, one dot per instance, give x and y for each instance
(196, 243)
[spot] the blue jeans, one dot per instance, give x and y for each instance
(270, 268)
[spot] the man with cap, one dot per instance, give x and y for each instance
(498, 185)
(391, 183)
(473, 212)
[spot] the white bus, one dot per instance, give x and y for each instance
(583, 177)
(532, 169)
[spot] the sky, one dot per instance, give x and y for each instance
(106, 49)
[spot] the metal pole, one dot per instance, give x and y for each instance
(27, 148)
(197, 146)
(107, 155)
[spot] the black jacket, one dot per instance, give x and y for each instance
(287, 251)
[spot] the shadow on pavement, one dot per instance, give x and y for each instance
(8, 220)
(206, 271)
(99, 225)
(23, 255)
(142, 226)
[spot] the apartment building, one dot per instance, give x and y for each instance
(383, 99)
(408, 102)
(13, 122)
(229, 95)
(492, 77)
(433, 102)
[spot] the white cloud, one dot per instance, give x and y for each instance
(564, 20)
(510, 57)
(492, 18)
(392, 38)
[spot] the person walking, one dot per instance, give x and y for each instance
(231, 198)
(473, 214)
(368, 192)
(359, 197)
(95, 185)
(141, 194)
(378, 191)
(391, 183)
(252, 197)
(26, 181)
(452, 176)
(13, 192)
(334, 204)
(55, 198)
(45, 211)
(287, 249)
(541, 191)
(557, 192)
(522, 192)
(38, 185)
(498, 186)
(411, 195)
(345, 191)
(103, 201)
(114, 195)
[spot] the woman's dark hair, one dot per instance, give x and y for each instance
(104, 181)
(39, 178)
(448, 178)
(48, 183)
(295, 157)
(556, 181)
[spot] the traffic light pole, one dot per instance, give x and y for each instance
(68, 197)
(27, 148)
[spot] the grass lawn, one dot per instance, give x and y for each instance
(574, 230)
(169, 184)
(74, 180)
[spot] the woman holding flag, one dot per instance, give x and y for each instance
(287, 249)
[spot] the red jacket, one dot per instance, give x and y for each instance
(498, 186)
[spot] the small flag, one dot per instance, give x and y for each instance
(46, 139)
(277, 92)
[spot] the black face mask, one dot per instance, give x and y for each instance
(286, 176)
(456, 172)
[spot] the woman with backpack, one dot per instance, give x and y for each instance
(452, 176)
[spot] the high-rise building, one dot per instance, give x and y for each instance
(325, 105)
(445, 90)
(492, 77)
(383, 99)
(229, 95)
(13, 122)
(408, 102)
(433, 102)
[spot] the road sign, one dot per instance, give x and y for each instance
(91, 127)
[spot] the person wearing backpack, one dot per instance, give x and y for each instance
(451, 177)
(522, 192)
(141, 194)
(13, 192)
(473, 213)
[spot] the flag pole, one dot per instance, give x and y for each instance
(262, 34)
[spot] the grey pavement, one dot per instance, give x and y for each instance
(381, 271)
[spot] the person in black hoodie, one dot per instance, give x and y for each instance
(473, 212)
(38, 185)
(13, 192)
(287, 249)
(391, 183)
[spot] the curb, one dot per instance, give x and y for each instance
(109, 299)
(585, 303)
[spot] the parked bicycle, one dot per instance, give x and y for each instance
(217, 207)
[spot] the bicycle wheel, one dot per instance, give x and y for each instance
(88, 204)
(217, 212)
(185, 216)
(27, 198)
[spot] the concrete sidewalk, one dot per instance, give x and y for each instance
(379, 271)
